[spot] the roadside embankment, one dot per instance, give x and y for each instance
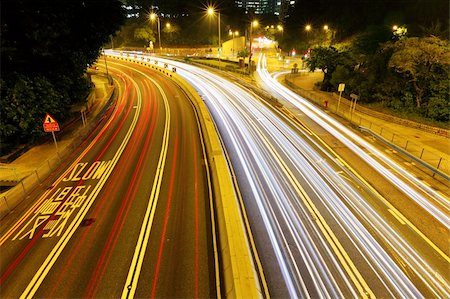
(33, 166)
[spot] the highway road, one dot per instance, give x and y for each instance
(320, 229)
(420, 238)
(130, 215)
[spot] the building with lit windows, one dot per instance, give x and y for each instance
(270, 7)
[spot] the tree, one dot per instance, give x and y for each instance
(417, 59)
(326, 59)
(144, 34)
(172, 32)
(45, 47)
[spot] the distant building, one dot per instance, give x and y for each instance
(270, 7)
(132, 11)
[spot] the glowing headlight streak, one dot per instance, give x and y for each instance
(255, 136)
(332, 126)
(435, 282)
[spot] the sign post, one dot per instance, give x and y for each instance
(51, 125)
(340, 89)
(353, 104)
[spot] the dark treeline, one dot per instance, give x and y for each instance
(45, 48)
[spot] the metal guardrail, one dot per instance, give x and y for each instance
(406, 153)
(362, 119)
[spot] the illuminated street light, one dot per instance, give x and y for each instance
(252, 24)
(154, 17)
(211, 11)
(325, 27)
(395, 27)
(168, 25)
(280, 28)
(308, 27)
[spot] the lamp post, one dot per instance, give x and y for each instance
(210, 11)
(154, 16)
(252, 24)
(308, 29)
(280, 28)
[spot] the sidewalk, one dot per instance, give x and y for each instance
(40, 159)
(429, 144)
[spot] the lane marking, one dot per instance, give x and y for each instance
(162, 241)
(397, 216)
(130, 286)
(43, 197)
(345, 260)
(54, 254)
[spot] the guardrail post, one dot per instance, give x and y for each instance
(6, 203)
(37, 175)
(421, 154)
(407, 141)
(439, 163)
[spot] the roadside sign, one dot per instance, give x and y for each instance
(341, 87)
(50, 124)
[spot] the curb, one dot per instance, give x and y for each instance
(239, 274)
(14, 196)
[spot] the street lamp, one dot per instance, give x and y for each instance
(210, 11)
(308, 29)
(154, 16)
(325, 27)
(252, 24)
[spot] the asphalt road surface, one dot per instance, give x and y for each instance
(130, 216)
(320, 227)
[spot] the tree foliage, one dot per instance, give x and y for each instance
(45, 48)
(417, 60)
(326, 59)
(409, 75)
(144, 34)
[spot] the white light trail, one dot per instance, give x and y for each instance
(293, 187)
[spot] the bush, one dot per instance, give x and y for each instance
(438, 109)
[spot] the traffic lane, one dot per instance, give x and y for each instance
(303, 241)
(182, 263)
(103, 281)
(379, 218)
(407, 232)
(258, 121)
(33, 237)
(100, 255)
(420, 233)
(189, 198)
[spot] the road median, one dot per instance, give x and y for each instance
(239, 276)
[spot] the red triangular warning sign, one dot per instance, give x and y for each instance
(50, 124)
(49, 119)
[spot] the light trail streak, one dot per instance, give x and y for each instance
(435, 282)
(292, 187)
(339, 131)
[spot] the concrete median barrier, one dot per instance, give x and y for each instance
(239, 276)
